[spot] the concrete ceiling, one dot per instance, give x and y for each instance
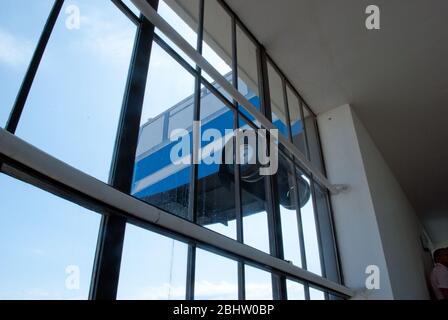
(396, 78)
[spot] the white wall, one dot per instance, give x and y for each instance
(375, 224)
(436, 223)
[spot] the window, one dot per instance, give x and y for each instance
(217, 44)
(253, 198)
(169, 94)
(183, 17)
(297, 127)
(73, 108)
(247, 60)
(313, 139)
(153, 267)
(48, 244)
(286, 192)
(309, 228)
(316, 294)
(329, 253)
(216, 180)
(43, 254)
(279, 116)
(19, 34)
(258, 284)
(216, 277)
(295, 290)
(151, 135)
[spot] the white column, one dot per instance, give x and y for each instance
(374, 222)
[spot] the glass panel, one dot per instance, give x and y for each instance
(47, 244)
(217, 45)
(288, 210)
(74, 105)
(258, 284)
(158, 179)
(247, 69)
(216, 180)
(297, 128)
(313, 139)
(153, 267)
(216, 277)
(309, 226)
(326, 233)
(183, 17)
(279, 118)
(253, 197)
(19, 34)
(151, 135)
(295, 290)
(316, 294)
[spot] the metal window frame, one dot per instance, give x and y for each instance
(15, 150)
(271, 198)
(237, 173)
(30, 74)
(111, 236)
(193, 192)
(107, 263)
(296, 193)
(192, 53)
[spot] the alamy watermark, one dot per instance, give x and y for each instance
(240, 146)
(73, 20)
(373, 277)
(373, 18)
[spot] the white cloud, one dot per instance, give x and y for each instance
(14, 51)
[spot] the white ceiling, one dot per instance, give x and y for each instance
(396, 78)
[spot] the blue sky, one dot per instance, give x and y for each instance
(72, 113)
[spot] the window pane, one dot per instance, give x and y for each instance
(316, 294)
(258, 284)
(313, 139)
(158, 179)
(19, 34)
(216, 180)
(279, 118)
(309, 227)
(183, 17)
(326, 233)
(74, 105)
(247, 68)
(153, 267)
(288, 210)
(47, 244)
(253, 197)
(295, 290)
(151, 135)
(216, 277)
(217, 45)
(297, 129)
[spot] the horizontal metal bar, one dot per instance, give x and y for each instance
(25, 154)
(191, 52)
